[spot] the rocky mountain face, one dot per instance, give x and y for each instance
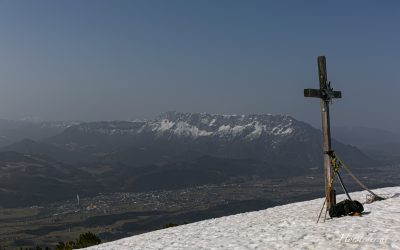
(185, 149)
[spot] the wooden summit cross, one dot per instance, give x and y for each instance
(326, 94)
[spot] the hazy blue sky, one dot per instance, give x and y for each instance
(103, 60)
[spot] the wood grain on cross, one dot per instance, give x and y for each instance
(326, 94)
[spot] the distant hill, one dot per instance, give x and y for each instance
(32, 180)
(40, 148)
(364, 136)
(12, 131)
(377, 143)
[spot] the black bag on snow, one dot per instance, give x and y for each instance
(346, 207)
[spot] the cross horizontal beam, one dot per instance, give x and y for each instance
(321, 94)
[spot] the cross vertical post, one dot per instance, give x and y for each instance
(326, 94)
(326, 134)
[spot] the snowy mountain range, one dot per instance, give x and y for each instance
(274, 138)
(175, 150)
(195, 125)
(291, 226)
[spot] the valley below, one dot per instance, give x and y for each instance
(116, 215)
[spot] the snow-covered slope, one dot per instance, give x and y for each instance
(291, 226)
